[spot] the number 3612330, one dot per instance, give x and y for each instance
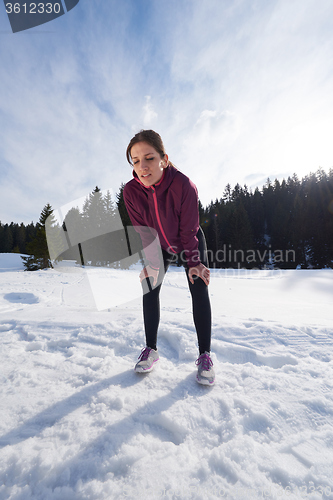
(33, 8)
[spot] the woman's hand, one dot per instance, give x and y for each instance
(200, 270)
(149, 272)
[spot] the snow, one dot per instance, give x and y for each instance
(78, 423)
(11, 262)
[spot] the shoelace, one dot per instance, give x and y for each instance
(144, 354)
(205, 362)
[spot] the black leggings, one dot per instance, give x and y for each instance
(200, 301)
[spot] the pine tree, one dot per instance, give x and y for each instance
(227, 193)
(39, 253)
(6, 239)
(257, 217)
(298, 231)
(21, 238)
(73, 232)
(240, 236)
(93, 227)
(125, 219)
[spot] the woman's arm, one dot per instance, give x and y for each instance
(189, 226)
(189, 223)
(149, 236)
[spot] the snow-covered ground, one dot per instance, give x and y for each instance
(78, 423)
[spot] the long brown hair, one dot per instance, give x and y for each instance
(150, 137)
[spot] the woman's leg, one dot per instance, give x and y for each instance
(151, 306)
(151, 315)
(202, 315)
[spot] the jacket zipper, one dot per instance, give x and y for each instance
(159, 220)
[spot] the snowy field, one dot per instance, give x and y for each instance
(78, 423)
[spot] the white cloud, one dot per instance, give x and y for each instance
(149, 115)
(268, 64)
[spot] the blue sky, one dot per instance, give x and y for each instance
(240, 90)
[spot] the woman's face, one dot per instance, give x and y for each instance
(147, 163)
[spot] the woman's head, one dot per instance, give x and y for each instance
(150, 137)
(146, 154)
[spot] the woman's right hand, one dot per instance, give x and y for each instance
(149, 272)
(200, 270)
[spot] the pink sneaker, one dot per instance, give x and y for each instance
(147, 359)
(206, 374)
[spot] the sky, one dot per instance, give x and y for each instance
(240, 91)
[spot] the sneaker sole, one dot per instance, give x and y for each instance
(205, 382)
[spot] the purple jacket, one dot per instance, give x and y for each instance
(171, 208)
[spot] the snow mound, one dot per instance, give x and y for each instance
(11, 262)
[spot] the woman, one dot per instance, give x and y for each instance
(162, 198)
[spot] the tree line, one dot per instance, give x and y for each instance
(286, 225)
(93, 235)
(14, 237)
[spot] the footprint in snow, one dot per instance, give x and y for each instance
(21, 298)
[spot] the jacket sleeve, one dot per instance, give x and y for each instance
(189, 223)
(149, 236)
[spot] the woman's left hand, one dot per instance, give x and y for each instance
(149, 272)
(200, 270)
